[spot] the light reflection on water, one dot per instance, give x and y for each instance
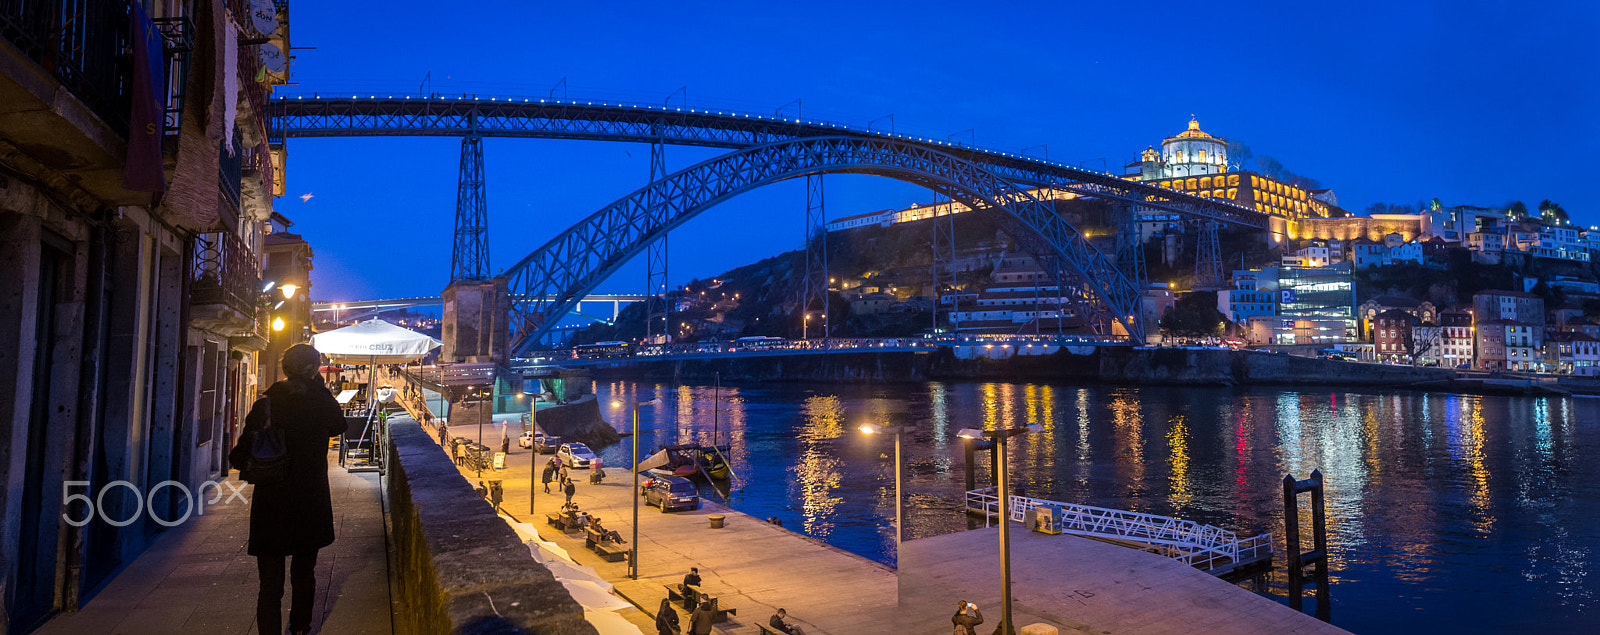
(1446, 512)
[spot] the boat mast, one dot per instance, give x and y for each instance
(716, 401)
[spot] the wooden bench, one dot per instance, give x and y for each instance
(694, 597)
(768, 630)
(611, 552)
(559, 521)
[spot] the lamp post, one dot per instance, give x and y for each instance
(899, 507)
(999, 437)
(633, 552)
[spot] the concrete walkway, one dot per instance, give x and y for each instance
(196, 578)
(748, 565)
(1079, 586)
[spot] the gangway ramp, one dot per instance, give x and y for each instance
(1211, 549)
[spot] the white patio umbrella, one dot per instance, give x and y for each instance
(372, 342)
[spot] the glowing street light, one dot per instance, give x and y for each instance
(999, 437)
(899, 507)
(288, 290)
(277, 324)
(633, 550)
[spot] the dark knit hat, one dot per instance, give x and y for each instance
(301, 361)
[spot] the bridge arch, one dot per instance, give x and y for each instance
(570, 265)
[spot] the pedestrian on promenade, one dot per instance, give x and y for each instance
(505, 441)
(292, 519)
(779, 622)
(966, 617)
(666, 619)
(455, 453)
(444, 433)
(700, 619)
(549, 471)
(568, 489)
(566, 474)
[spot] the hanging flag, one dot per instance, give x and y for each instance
(654, 461)
(143, 170)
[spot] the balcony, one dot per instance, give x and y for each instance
(224, 286)
(81, 44)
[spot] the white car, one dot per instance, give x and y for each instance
(575, 455)
(526, 440)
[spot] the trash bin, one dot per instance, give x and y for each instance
(716, 521)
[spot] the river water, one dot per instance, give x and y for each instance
(1446, 513)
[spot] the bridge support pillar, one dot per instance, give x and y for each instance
(1208, 262)
(476, 328)
(814, 292)
(470, 257)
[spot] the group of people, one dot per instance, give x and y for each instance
(561, 473)
(704, 613)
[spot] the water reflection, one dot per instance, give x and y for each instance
(1446, 512)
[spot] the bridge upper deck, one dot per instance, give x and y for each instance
(318, 115)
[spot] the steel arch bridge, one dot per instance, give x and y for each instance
(768, 149)
(302, 116)
(578, 259)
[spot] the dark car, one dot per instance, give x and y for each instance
(546, 444)
(671, 493)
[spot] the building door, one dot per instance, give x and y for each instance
(36, 568)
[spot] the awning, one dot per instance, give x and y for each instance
(373, 342)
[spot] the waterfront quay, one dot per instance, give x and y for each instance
(1079, 585)
(748, 564)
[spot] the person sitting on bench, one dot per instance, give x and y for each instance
(693, 579)
(777, 622)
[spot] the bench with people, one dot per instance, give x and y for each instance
(690, 595)
(780, 625)
(606, 543)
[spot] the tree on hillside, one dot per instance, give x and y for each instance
(1552, 212)
(1194, 315)
(1516, 211)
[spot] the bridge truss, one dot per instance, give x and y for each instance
(768, 149)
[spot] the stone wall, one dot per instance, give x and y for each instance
(460, 568)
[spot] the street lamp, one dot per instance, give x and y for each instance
(999, 437)
(899, 507)
(288, 290)
(633, 552)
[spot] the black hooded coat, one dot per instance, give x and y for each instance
(296, 515)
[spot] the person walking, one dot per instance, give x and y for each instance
(966, 618)
(545, 476)
(293, 518)
(700, 620)
(568, 489)
(444, 433)
(666, 619)
(455, 452)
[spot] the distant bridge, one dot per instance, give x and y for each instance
(362, 308)
(992, 345)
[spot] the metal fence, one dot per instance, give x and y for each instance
(81, 43)
(224, 272)
(1203, 546)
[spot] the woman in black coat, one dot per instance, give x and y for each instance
(292, 518)
(666, 619)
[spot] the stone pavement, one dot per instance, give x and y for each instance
(1079, 586)
(196, 578)
(748, 565)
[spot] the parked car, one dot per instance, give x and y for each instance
(670, 493)
(546, 444)
(575, 454)
(529, 439)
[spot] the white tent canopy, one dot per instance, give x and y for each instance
(373, 342)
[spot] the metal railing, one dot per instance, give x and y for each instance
(224, 272)
(81, 43)
(1204, 546)
(177, 37)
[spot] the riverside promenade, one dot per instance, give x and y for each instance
(197, 578)
(1080, 585)
(748, 565)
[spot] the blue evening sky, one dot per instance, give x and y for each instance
(1470, 102)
